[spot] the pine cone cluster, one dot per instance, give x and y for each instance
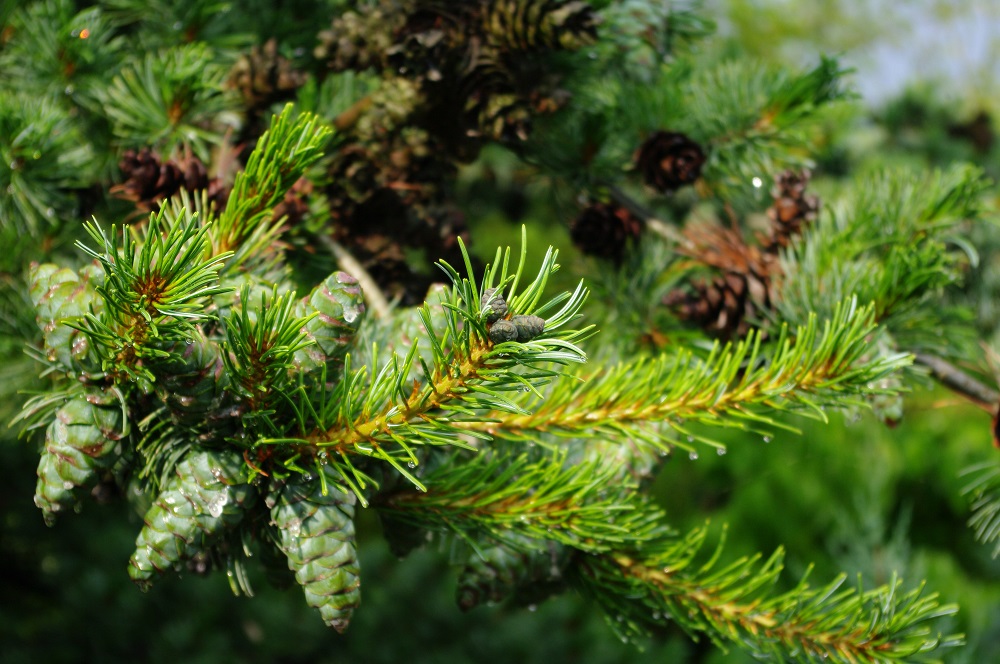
(668, 160)
(743, 287)
(474, 60)
(148, 179)
(203, 506)
(604, 230)
(453, 75)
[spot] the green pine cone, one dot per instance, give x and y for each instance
(79, 443)
(63, 296)
(524, 568)
(191, 380)
(410, 328)
(316, 532)
(341, 308)
(205, 496)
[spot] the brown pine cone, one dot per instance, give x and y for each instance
(604, 230)
(668, 161)
(358, 41)
(723, 304)
(264, 77)
(529, 25)
(792, 209)
(148, 180)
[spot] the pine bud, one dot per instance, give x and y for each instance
(503, 330)
(495, 304)
(528, 327)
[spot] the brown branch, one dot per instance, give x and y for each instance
(441, 388)
(350, 117)
(956, 380)
(654, 224)
(373, 294)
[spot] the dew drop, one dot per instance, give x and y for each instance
(693, 456)
(294, 527)
(532, 607)
(67, 485)
(217, 503)
(690, 439)
(411, 465)
(767, 439)
(721, 451)
(217, 473)
(351, 313)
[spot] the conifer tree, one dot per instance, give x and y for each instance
(242, 270)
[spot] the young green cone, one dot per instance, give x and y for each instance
(316, 532)
(81, 441)
(205, 496)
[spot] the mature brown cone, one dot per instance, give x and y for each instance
(359, 41)
(148, 180)
(792, 209)
(528, 25)
(723, 304)
(433, 38)
(604, 230)
(264, 77)
(669, 160)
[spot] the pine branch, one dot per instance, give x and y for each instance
(386, 409)
(281, 157)
(260, 349)
(984, 494)
(736, 385)
(958, 381)
(582, 505)
(156, 285)
(732, 605)
(888, 241)
(169, 98)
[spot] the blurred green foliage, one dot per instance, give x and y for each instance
(853, 495)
